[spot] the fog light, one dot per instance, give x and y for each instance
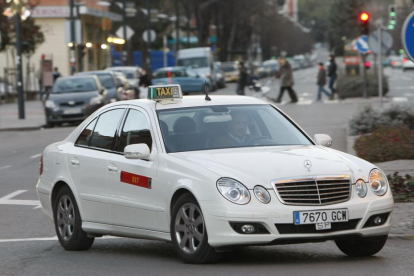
(248, 229)
(377, 220)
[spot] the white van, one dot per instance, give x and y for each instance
(201, 60)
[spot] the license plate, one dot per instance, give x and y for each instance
(320, 216)
(72, 111)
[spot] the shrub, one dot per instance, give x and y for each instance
(386, 144)
(402, 187)
(353, 86)
(370, 118)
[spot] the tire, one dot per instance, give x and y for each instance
(362, 247)
(188, 233)
(68, 223)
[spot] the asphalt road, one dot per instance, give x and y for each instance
(27, 239)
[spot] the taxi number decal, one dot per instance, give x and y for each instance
(136, 180)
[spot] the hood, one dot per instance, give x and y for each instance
(76, 97)
(253, 166)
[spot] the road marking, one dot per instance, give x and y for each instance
(5, 167)
(304, 102)
(36, 156)
(399, 99)
(55, 238)
(7, 200)
(404, 88)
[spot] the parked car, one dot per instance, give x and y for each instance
(201, 60)
(272, 67)
(132, 73)
(396, 62)
(219, 75)
(74, 98)
(189, 80)
(407, 64)
(230, 70)
(109, 81)
(128, 92)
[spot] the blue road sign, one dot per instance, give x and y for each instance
(362, 44)
(407, 35)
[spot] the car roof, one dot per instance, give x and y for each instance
(77, 77)
(123, 68)
(101, 72)
(194, 101)
(171, 68)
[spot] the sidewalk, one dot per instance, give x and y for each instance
(35, 116)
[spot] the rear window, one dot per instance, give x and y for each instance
(169, 74)
(71, 85)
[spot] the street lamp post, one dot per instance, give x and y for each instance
(124, 23)
(149, 36)
(20, 94)
(72, 38)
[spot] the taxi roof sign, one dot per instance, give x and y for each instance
(165, 92)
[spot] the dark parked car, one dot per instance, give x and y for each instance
(109, 81)
(74, 98)
(189, 80)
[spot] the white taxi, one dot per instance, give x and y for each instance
(209, 175)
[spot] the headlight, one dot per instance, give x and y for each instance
(378, 182)
(261, 194)
(95, 100)
(361, 188)
(50, 104)
(233, 191)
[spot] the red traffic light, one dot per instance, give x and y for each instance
(364, 16)
(367, 64)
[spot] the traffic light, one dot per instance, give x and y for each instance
(392, 17)
(367, 64)
(364, 20)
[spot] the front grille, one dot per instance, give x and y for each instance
(290, 228)
(71, 105)
(313, 191)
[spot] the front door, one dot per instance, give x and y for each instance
(132, 183)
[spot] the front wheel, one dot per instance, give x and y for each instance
(189, 234)
(68, 223)
(362, 247)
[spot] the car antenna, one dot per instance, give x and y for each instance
(207, 97)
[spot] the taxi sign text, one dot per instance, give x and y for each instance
(164, 92)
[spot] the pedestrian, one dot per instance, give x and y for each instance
(56, 74)
(144, 82)
(286, 80)
(242, 79)
(322, 82)
(332, 75)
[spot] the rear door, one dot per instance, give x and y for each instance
(87, 164)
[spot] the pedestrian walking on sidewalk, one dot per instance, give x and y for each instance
(322, 82)
(56, 74)
(286, 81)
(241, 84)
(332, 74)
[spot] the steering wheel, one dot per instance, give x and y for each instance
(255, 140)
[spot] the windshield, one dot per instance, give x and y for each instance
(229, 68)
(197, 62)
(71, 85)
(129, 74)
(232, 126)
(169, 74)
(107, 80)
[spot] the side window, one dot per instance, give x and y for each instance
(135, 130)
(86, 134)
(103, 136)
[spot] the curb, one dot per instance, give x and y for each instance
(21, 128)
(400, 237)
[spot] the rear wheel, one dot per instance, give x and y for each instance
(189, 234)
(68, 223)
(362, 247)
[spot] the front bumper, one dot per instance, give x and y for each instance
(61, 115)
(219, 214)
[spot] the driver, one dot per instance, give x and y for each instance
(237, 133)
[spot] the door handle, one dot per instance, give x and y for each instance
(112, 168)
(75, 162)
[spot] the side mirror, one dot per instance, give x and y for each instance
(102, 91)
(137, 151)
(323, 140)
